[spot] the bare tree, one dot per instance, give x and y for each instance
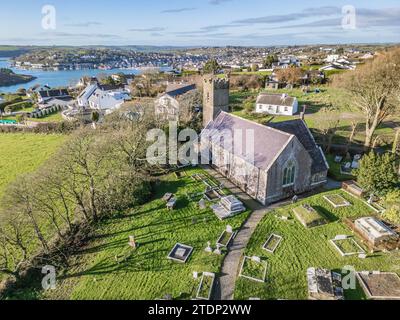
(14, 241)
(19, 199)
(327, 123)
(375, 89)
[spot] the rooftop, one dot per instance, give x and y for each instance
(275, 99)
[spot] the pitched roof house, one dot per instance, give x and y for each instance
(167, 104)
(44, 95)
(276, 104)
(269, 163)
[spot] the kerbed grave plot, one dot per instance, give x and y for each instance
(308, 216)
(272, 243)
(226, 237)
(337, 201)
(347, 246)
(253, 268)
(206, 286)
(180, 253)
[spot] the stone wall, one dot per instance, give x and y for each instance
(303, 162)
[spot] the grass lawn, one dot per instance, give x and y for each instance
(334, 169)
(24, 152)
(146, 273)
(303, 248)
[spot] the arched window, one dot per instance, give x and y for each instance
(289, 174)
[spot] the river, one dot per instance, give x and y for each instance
(57, 78)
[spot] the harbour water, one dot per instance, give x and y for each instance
(57, 78)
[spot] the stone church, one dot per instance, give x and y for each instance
(285, 160)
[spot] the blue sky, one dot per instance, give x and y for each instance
(198, 22)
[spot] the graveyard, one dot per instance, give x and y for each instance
(302, 248)
(154, 252)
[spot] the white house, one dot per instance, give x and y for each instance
(276, 104)
(107, 101)
(83, 98)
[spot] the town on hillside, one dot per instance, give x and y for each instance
(200, 173)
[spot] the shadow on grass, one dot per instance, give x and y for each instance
(326, 213)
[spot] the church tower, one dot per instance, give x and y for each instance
(215, 97)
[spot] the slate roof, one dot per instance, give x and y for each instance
(300, 130)
(54, 93)
(275, 99)
(271, 140)
(177, 89)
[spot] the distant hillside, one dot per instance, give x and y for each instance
(9, 78)
(12, 51)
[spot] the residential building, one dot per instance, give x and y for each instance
(167, 104)
(276, 104)
(45, 95)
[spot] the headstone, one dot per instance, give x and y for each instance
(341, 237)
(338, 159)
(218, 250)
(195, 275)
(209, 249)
(132, 242)
(202, 204)
(229, 229)
(355, 164)
(362, 256)
(284, 218)
(256, 259)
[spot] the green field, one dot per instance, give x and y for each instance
(24, 152)
(302, 248)
(107, 268)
